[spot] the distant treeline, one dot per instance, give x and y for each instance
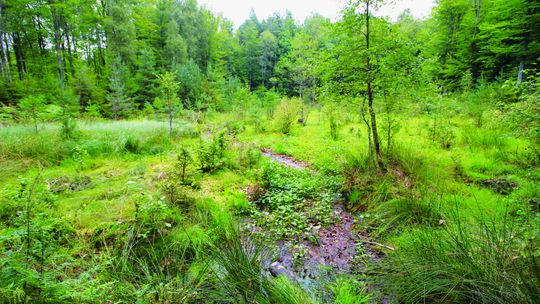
(87, 52)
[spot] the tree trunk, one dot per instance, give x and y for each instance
(17, 49)
(170, 117)
(41, 40)
(520, 72)
(372, 116)
(2, 66)
(57, 43)
(4, 46)
(1, 47)
(368, 126)
(70, 54)
(522, 60)
(388, 125)
(101, 63)
(303, 119)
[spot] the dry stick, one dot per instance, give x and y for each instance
(380, 245)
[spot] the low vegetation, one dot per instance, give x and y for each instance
(150, 153)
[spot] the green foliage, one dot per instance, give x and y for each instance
(349, 291)
(248, 156)
(184, 160)
(286, 114)
(332, 112)
(191, 84)
(295, 202)
(484, 265)
(118, 220)
(211, 153)
(33, 108)
(169, 102)
(30, 240)
(121, 105)
(81, 157)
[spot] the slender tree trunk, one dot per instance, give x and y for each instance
(2, 67)
(520, 72)
(101, 58)
(41, 40)
(57, 43)
(372, 116)
(388, 125)
(170, 117)
(70, 54)
(4, 46)
(17, 49)
(302, 100)
(368, 127)
(2, 60)
(1, 46)
(522, 60)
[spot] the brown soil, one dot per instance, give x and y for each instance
(284, 159)
(336, 249)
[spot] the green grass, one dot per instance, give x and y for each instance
(457, 239)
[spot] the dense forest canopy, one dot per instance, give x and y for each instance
(98, 53)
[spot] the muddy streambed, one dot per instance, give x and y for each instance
(339, 248)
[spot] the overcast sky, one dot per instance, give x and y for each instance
(238, 10)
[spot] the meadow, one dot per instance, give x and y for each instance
(129, 212)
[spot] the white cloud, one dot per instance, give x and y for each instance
(238, 10)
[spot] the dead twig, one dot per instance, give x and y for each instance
(380, 245)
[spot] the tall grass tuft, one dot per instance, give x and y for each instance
(459, 264)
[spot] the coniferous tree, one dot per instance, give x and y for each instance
(121, 104)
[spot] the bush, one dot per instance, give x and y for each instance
(332, 112)
(287, 114)
(248, 156)
(443, 134)
(211, 154)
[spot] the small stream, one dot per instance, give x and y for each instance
(339, 248)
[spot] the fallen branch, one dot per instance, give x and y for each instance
(380, 245)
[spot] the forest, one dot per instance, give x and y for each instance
(153, 152)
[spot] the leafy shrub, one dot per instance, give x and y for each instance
(234, 128)
(81, 157)
(184, 159)
(152, 215)
(248, 156)
(32, 108)
(211, 154)
(286, 114)
(175, 190)
(332, 112)
(523, 116)
(443, 134)
(68, 127)
(31, 242)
